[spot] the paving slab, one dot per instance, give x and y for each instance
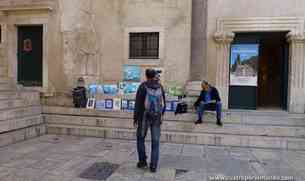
(65, 158)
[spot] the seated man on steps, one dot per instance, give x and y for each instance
(208, 100)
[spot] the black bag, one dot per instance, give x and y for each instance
(79, 97)
(181, 108)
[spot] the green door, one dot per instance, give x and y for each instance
(30, 55)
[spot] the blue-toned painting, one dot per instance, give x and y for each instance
(131, 87)
(124, 104)
(109, 104)
(100, 105)
(132, 73)
(110, 89)
(92, 90)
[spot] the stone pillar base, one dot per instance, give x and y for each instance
(297, 100)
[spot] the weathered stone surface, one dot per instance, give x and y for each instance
(25, 161)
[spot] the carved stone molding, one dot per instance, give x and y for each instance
(223, 39)
(294, 37)
(224, 35)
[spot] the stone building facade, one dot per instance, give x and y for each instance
(90, 38)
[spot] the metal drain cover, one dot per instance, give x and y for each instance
(180, 172)
(99, 171)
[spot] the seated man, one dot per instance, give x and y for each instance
(208, 100)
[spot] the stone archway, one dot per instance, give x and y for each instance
(296, 38)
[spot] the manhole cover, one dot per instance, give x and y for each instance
(99, 171)
(180, 172)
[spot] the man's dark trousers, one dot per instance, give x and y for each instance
(155, 129)
(210, 107)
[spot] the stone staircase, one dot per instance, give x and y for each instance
(272, 130)
(20, 114)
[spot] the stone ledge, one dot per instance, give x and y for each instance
(208, 127)
(20, 112)
(15, 124)
(185, 138)
(235, 117)
(26, 8)
(22, 134)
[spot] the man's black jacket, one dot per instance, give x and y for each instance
(140, 98)
(214, 96)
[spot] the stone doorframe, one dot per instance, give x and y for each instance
(19, 16)
(226, 29)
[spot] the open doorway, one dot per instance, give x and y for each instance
(273, 71)
(270, 91)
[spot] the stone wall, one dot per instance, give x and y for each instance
(88, 38)
(93, 37)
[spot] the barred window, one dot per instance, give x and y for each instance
(144, 45)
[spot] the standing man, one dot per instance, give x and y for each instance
(208, 100)
(149, 109)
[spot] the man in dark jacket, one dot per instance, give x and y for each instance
(209, 99)
(142, 121)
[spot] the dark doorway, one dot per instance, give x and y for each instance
(273, 71)
(272, 68)
(30, 48)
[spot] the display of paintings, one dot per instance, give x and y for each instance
(174, 105)
(110, 89)
(124, 104)
(121, 87)
(131, 87)
(169, 106)
(175, 90)
(90, 103)
(244, 64)
(100, 89)
(116, 104)
(108, 104)
(131, 104)
(92, 90)
(100, 105)
(132, 73)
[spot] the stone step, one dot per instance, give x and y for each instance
(182, 126)
(18, 135)
(3, 71)
(8, 95)
(11, 103)
(6, 87)
(4, 80)
(284, 143)
(16, 113)
(14, 124)
(284, 119)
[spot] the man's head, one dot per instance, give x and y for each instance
(80, 82)
(205, 85)
(150, 74)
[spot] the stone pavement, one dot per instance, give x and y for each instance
(66, 158)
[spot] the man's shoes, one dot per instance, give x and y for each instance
(198, 121)
(153, 170)
(219, 123)
(142, 165)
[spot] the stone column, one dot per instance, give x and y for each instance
(296, 75)
(223, 40)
